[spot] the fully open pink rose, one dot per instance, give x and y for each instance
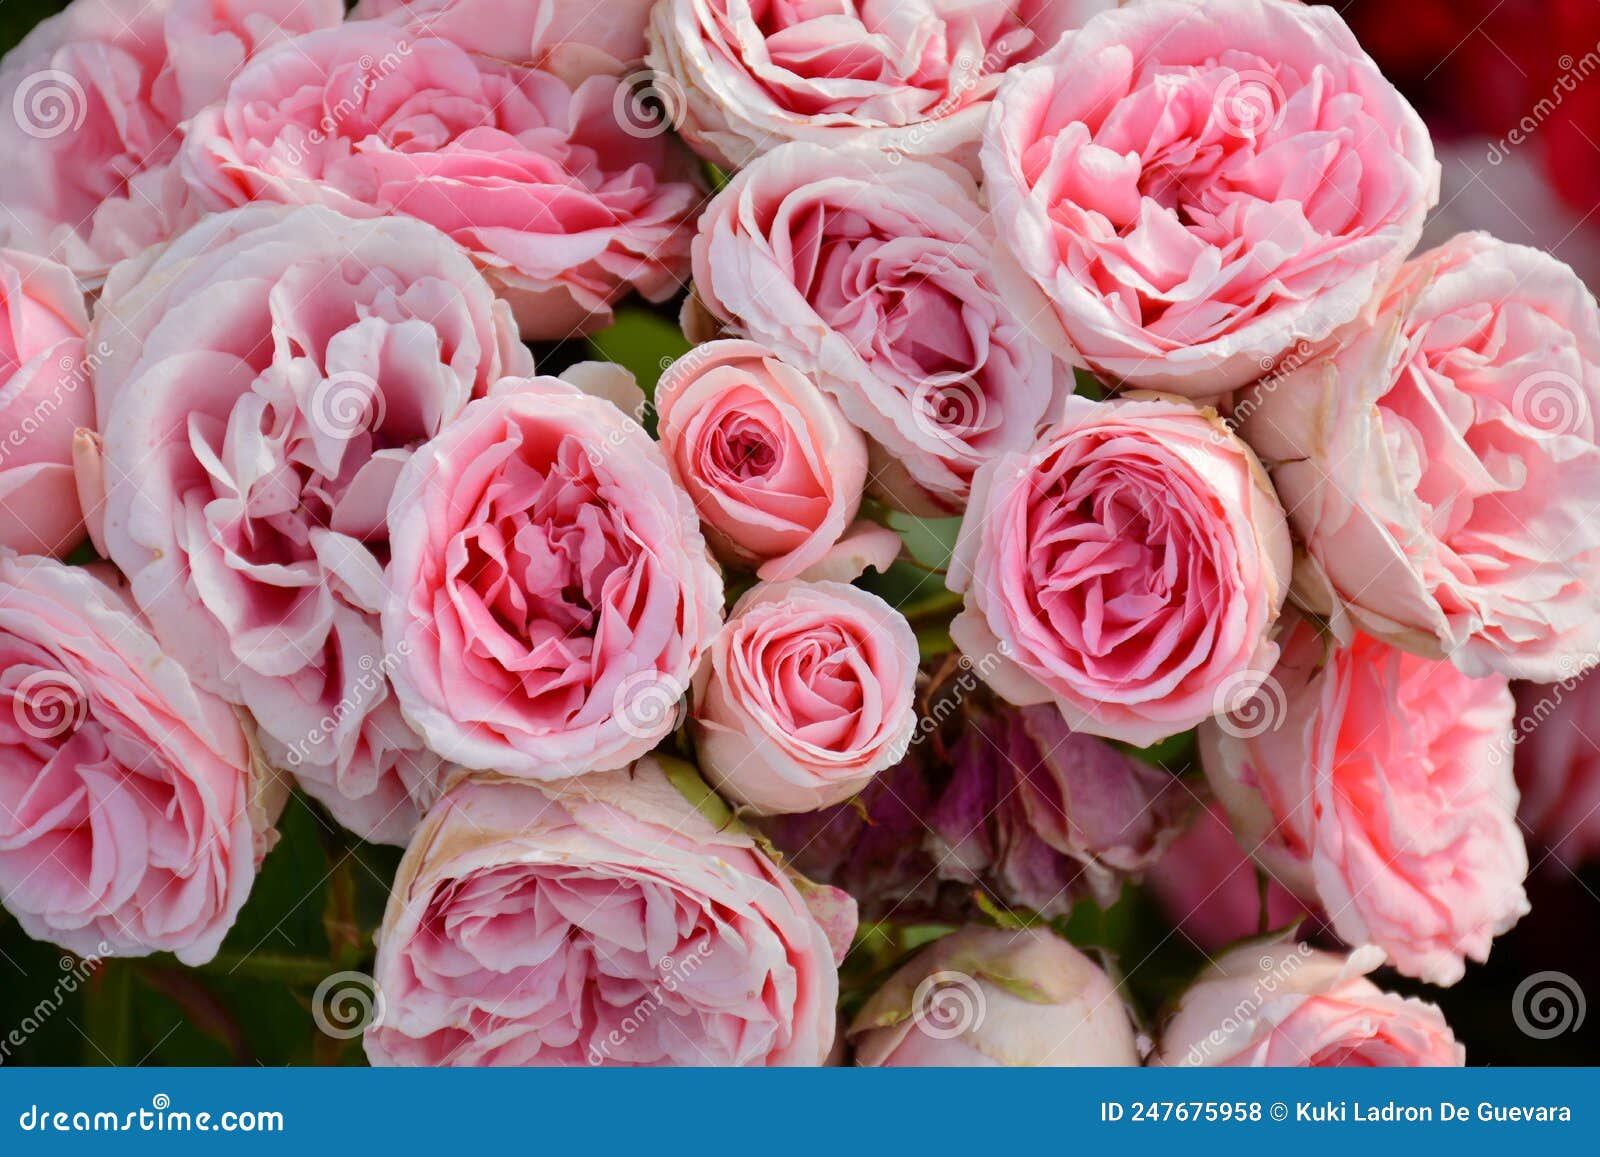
(1558, 767)
(269, 374)
(981, 997)
(913, 77)
(1129, 568)
(1442, 468)
(806, 694)
(875, 280)
(773, 467)
(132, 814)
(1375, 784)
(564, 201)
(549, 589)
(1188, 189)
(44, 397)
(1281, 1004)
(572, 38)
(604, 923)
(93, 98)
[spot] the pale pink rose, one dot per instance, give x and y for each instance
(982, 997)
(1441, 467)
(1211, 890)
(564, 201)
(548, 588)
(1186, 190)
(45, 397)
(806, 694)
(132, 812)
(574, 39)
(269, 372)
(912, 77)
(875, 280)
(1375, 784)
(1128, 568)
(773, 467)
(603, 923)
(1558, 767)
(90, 104)
(1285, 1005)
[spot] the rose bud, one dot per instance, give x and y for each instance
(1376, 785)
(574, 39)
(1281, 1004)
(133, 815)
(1440, 466)
(876, 281)
(44, 398)
(549, 594)
(806, 694)
(1558, 767)
(94, 98)
(604, 922)
(994, 996)
(1187, 191)
(1128, 568)
(773, 467)
(744, 78)
(265, 377)
(563, 201)
(1030, 813)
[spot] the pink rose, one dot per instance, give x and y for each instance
(1558, 767)
(1441, 466)
(1280, 1004)
(874, 279)
(132, 813)
(1129, 568)
(912, 78)
(604, 923)
(564, 202)
(92, 100)
(268, 375)
(44, 397)
(1188, 189)
(807, 693)
(574, 39)
(1015, 807)
(1210, 888)
(548, 589)
(1375, 784)
(981, 997)
(773, 467)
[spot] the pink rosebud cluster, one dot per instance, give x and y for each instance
(1057, 386)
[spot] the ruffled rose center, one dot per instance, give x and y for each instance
(815, 682)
